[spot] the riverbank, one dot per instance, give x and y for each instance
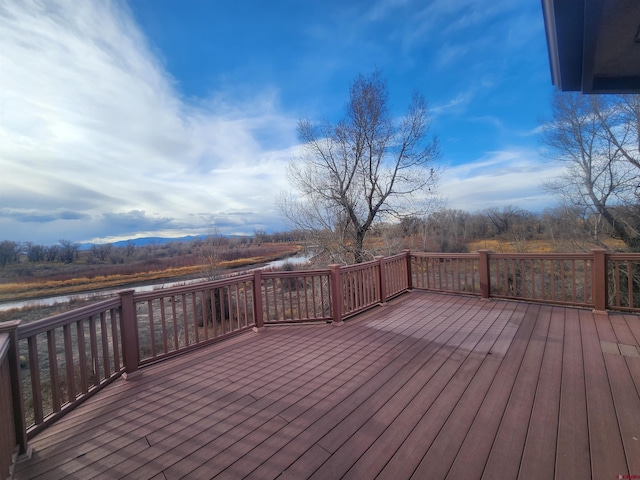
(33, 307)
(39, 288)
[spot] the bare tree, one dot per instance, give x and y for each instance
(52, 252)
(596, 138)
(446, 230)
(569, 228)
(68, 251)
(210, 254)
(366, 168)
(100, 253)
(9, 252)
(35, 253)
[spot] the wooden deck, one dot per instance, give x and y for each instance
(429, 386)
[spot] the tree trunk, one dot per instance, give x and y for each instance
(358, 249)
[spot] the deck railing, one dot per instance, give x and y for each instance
(13, 436)
(174, 320)
(290, 297)
(68, 357)
(55, 363)
(623, 282)
(597, 280)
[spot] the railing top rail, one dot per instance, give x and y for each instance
(26, 330)
(546, 256)
(5, 343)
(358, 266)
(297, 273)
(444, 255)
(622, 256)
(397, 256)
(192, 287)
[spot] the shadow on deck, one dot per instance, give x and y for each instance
(428, 386)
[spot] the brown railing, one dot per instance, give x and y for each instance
(623, 281)
(453, 273)
(397, 276)
(360, 287)
(13, 439)
(174, 320)
(563, 279)
(8, 443)
(597, 280)
(67, 357)
(61, 360)
(303, 296)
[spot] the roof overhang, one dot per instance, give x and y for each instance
(594, 45)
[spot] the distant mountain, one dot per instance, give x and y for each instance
(140, 242)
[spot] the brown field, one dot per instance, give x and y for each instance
(54, 285)
(529, 246)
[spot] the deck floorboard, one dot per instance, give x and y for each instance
(428, 386)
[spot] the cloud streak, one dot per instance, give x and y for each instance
(506, 177)
(98, 128)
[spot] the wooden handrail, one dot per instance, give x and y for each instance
(13, 430)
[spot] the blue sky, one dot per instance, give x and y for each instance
(171, 117)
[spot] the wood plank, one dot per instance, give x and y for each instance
(573, 431)
(629, 350)
(244, 465)
(164, 419)
(508, 446)
(432, 464)
(202, 362)
(475, 450)
(454, 369)
(169, 449)
(538, 458)
(271, 453)
(607, 452)
(633, 322)
(320, 422)
(627, 406)
(182, 389)
(406, 383)
(166, 452)
(621, 330)
(371, 462)
(626, 399)
(610, 348)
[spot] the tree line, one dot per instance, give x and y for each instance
(69, 252)
(563, 229)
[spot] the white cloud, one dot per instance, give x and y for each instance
(91, 123)
(508, 177)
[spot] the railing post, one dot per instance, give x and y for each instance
(13, 355)
(599, 280)
(409, 273)
(129, 332)
(382, 280)
(336, 294)
(257, 301)
(484, 274)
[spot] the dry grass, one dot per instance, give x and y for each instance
(530, 246)
(17, 291)
(35, 289)
(501, 246)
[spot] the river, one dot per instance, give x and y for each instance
(102, 294)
